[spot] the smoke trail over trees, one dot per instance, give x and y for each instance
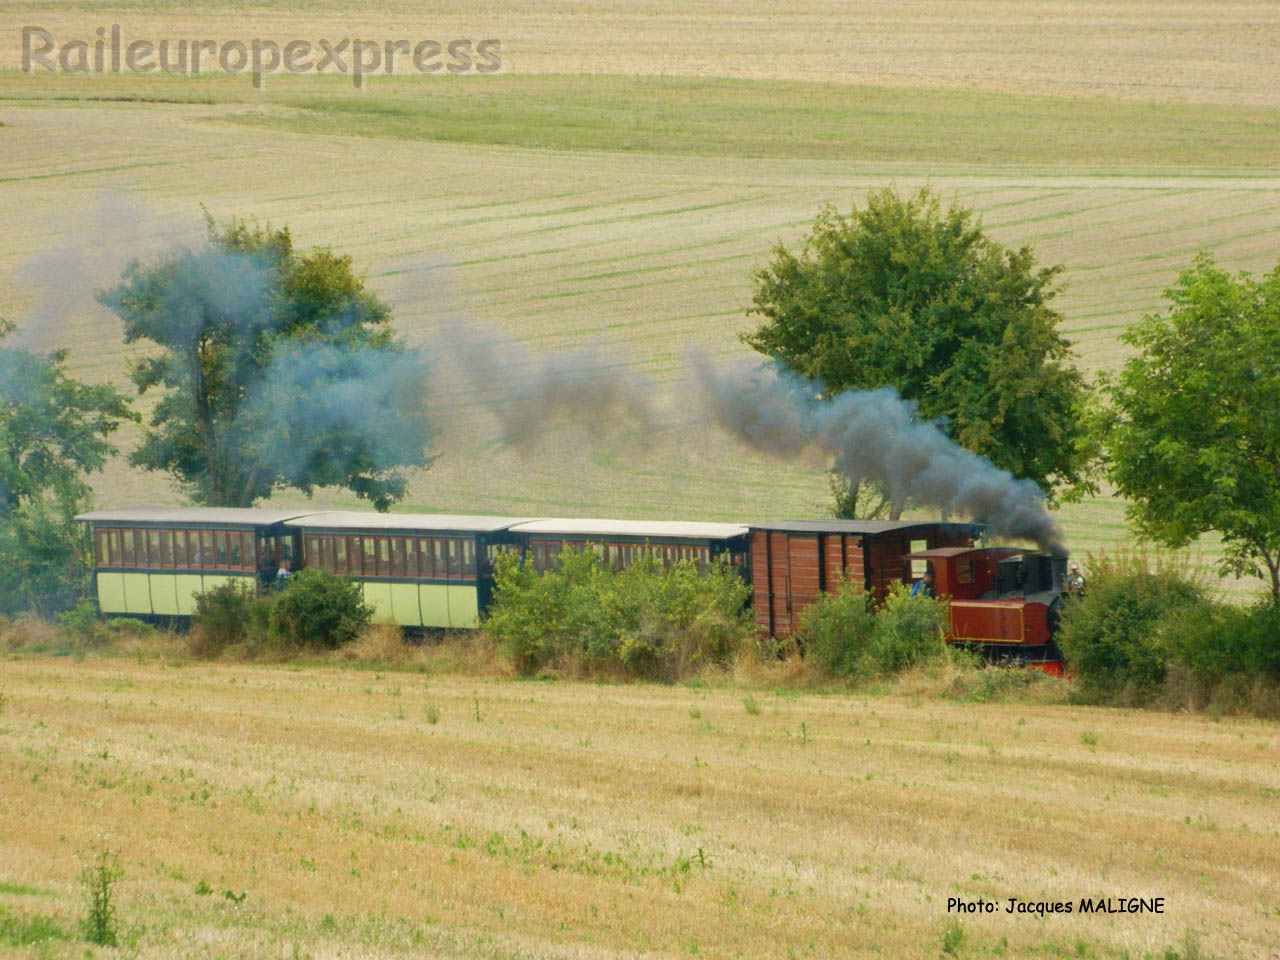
(532, 391)
(102, 239)
(873, 435)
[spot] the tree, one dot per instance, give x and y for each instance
(901, 294)
(1192, 437)
(275, 368)
(53, 431)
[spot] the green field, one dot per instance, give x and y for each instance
(619, 213)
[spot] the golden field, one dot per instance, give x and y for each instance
(393, 814)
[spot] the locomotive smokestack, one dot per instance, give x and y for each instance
(874, 435)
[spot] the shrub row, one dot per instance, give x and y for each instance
(1146, 628)
(315, 611)
(645, 621)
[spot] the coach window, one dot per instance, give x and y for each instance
(397, 557)
(453, 559)
(129, 556)
(918, 567)
(181, 549)
(206, 549)
(369, 556)
(233, 550)
(468, 558)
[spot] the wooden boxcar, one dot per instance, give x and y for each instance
(795, 562)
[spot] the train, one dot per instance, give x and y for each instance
(435, 571)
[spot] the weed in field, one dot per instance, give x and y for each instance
(952, 938)
(99, 880)
(749, 704)
(432, 713)
(25, 931)
(695, 713)
(1089, 739)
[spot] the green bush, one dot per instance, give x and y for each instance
(836, 632)
(844, 638)
(1215, 641)
(224, 616)
(647, 620)
(318, 609)
(908, 630)
(82, 624)
(1111, 635)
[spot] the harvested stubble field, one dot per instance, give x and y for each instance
(402, 814)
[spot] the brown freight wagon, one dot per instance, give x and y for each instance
(795, 562)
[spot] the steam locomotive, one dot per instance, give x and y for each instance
(436, 571)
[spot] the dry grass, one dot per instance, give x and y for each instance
(394, 815)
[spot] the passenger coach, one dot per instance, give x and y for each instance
(417, 570)
(156, 560)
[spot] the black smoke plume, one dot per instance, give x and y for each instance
(874, 435)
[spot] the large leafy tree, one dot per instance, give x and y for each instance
(53, 432)
(1192, 436)
(275, 368)
(901, 293)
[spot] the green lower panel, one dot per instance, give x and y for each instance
(213, 581)
(186, 587)
(404, 604)
(378, 596)
(464, 608)
(137, 593)
(111, 593)
(433, 598)
(164, 594)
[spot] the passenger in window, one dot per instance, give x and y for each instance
(284, 573)
(924, 586)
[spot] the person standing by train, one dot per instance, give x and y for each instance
(1074, 582)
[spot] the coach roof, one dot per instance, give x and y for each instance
(636, 529)
(354, 520)
(193, 516)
